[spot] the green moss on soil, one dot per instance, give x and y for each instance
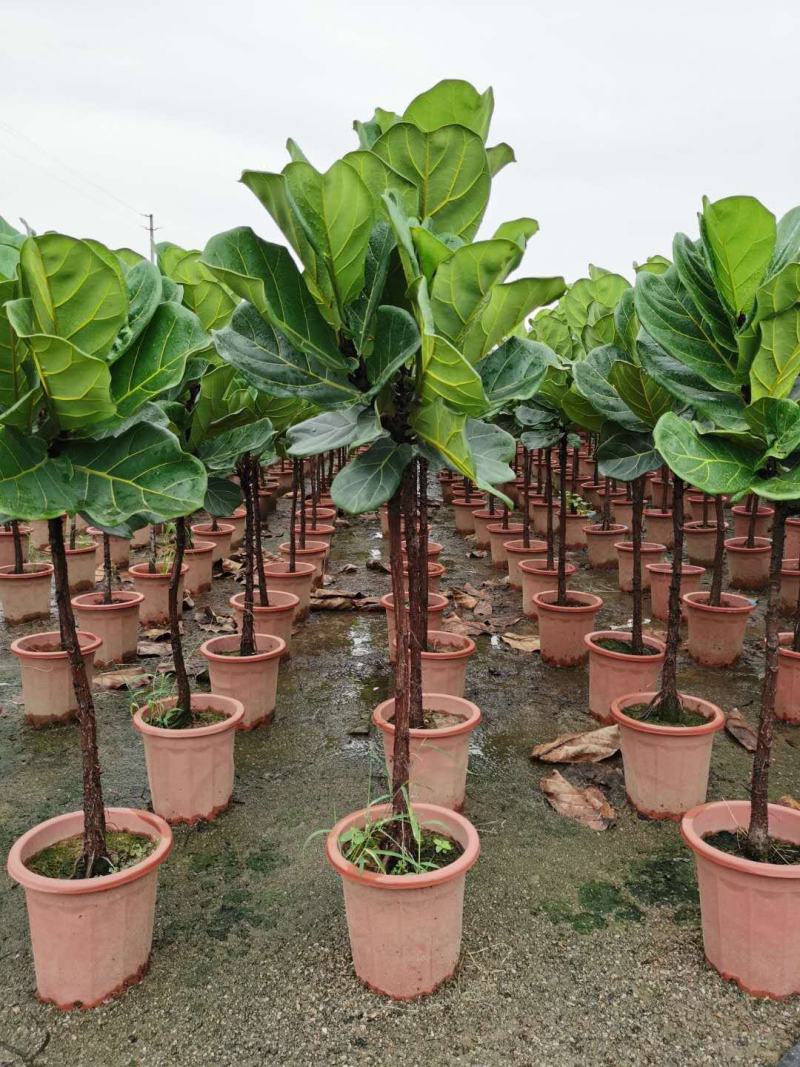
(62, 860)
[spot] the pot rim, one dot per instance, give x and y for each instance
(92, 643)
(28, 879)
(695, 526)
(516, 545)
(700, 847)
(728, 609)
(528, 566)
(301, 571)
(785, 638)
(95, 531)
(484, 513)
(592, 602)
(497, 527)
(323, 528)
(132, 600)
(237, 601)
(458, 653)
(715, 721)
(200, 548)
(434, 547)
(387, 600)
(786, 571)
(467, 725)
(736, 544)
(203, 529)
(42, 569)
(615, 528)
(162, 575)
(428, 814)
(233, 708)
(590, 640)
(435, 569)
(82, 551)
(278, 647)
(743, 509)
(661, 513)
(24, 531)
(650, 548)
(460, 502)
(666, 568)
(313, 548)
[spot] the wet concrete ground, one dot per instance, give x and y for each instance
(579, 947)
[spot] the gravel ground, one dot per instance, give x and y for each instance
(579, 947)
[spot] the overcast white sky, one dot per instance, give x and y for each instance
(622, 113)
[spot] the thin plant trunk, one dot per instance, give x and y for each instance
(214, 523)
(94, 859)
(417, 580)
(251, 491)
(526, 495)
(492, 504)
(247, 642)
(757, 844)
(183, 705)
(664, 487)
(314, 491)
(539, 471)
(668, 701)
(152, 556)
(715, 593)
(302, 491)
(561, 598)
(19, 562)
(751, 521)
(107, 570)
(293, 523)
(576, 463)
(401, 757)
(504, 520)
(705, 509)
(548, 503)
(606, 523)
(422, 510)
(796, 637)
(467, 490)
(637, 487)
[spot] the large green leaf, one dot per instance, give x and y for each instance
(643, 395)
(777, 361)
(492, 452)
(777, 423)
(361, 313)
(78, 293)
(445, 431)
(144, 286)
(518, 230)
(580, 411)
(593, 379)
(157, 360)
(347, 428)
(514, 371)
(693, 271)
(463, 283)
(624, 455)
(221, 453)
(371, 478)
(144, 469)
(267, 276)
(378, 178)
(710, 463)
(222, 497)
(396, 340)
(225, 400)
(787, 242)
(446, 374)
(508, 305)
(433, 250)
(452, 102)
(32, 485)
(212, 302)
(784, 486)
(449, 169)
(739, 234)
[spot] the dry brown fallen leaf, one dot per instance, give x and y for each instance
(591, 746)
(158, 633)
(348, 568)
(454, 624)
(378, 565)
(463, 599)
(483, 609)
(586, 806)
(521, 642)
(741, 730)
(331, 603)
(789, 802)
(129, 678)
(477, 553)
(153, 648)
(231, 566)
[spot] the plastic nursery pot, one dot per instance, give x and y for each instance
(435, 573)
(221, 537)
(613, 674)
(666, 767)
(116, 624)
(154, 608)
(482, 518)
(590, 491)
(321, 532)
(748, 568)
(252, 680)
(447, 486)
(237, 521)
(660, 579)
(444, 667)
(191, 771)
(26, 596)
(326, 515)
(141, 537)
(700, 542)
(120, 548)
(315, 553)
(791, 537)
(498, 535)
(7, 545)
(298, 582)
(601, 553)
(434, 550)
(576, 537)
(383, 515)
(622, 510)
(517, 553)
(651, 553)
(439, 757)
(405, 960)
(462, 512)
(716, 634)
(40, 532)
(741, 520)
(91, 937)
(540, 518)
(47, 690)
(538, 578)
(81, 566)
(658, 525)
(274, 620)
(693, 504)
(436, 605)
(790, 585)
(787, 693)
(562, 628)
(199, 561)
(657, 489)
(750, 911)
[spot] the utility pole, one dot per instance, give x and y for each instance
(151, 231)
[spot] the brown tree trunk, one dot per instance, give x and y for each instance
(94, 859)
(152, 556)
(183, 706)
(715, 593)
(606, 523)
(247, 641)
(757, 845)
(302, 478)
(548, 503)
(19, 562)
(401, 758)
(107, 570)
(637, 489)
(668, 700)
(561, 598)
(251, 490)
(751, 521)
(293, 523)
(417, 580)
(526, 495)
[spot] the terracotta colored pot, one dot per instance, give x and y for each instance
(482, 517)
(693, 503)
(237, 521)
(716, 635)
(540, 518)
(81, 565)
(154, 609)
(748, 567)
(700, 543)
(275, 619)
(462, 512)
(120, 548)
(750, 911)
(436, 605)
(600, 544)
(576, 524)
(325, 515)
(47, 690)
(791, 537)
(622, 510)
(321, 532)
(91, 937)
(40, 532)
(517, 553)
(26, 596)
(656, 490)
(199, 561)
(116, 624)
(191, 771)
(536, 578)
(498, 535)
(787, 694)
(666, 767)
(658, 525)
(250, 680)
(315, 553)
(590, 491)
(435, 574)
(445, 672)
(434, 550)
(438, 757)
(660, 579)
(405, 959)
(741, 520)
(447, 486)
(383, 515)
(298, 582)
(790, 586)
(221, 537)
(7, 545)
(562, 629)
(267, 498)
(651, 553)
(141, 537)
(283, 476)
(613, 674)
